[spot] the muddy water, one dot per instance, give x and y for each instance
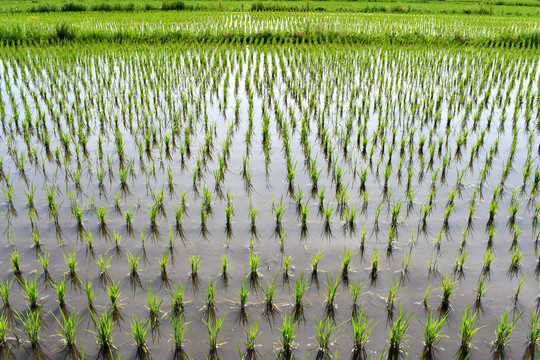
(379, 90)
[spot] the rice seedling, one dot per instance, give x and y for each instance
(103, 262)
(299, 291)
(269, 295)
(117, 240)
(398, 330)
(16, 261)
(78, 213)
(514, 208)
(36, 240)
(406, 260)
(481, 288)
(331, 293)
(113, 292)
(139, 329)
(4, 330)
(163, 263)
(533, 332)
(345, 262)
(432, 332)
(5, 289)
(428, 292)
(304, 214)
(460, 260)
(288, 335)
(286, 264)
(325, 332)
(243, 295)
(392, 293)
(179, 332)
(103, 331)
(448, 286)
(521, 284)
(315, 259)
(128, 215)
(489, 255)
(210, 304)
(361, 327)
(213, 326)
(30, 292)
(375, 264)
(60, 288)
(224, 263)
(254, 258)
(194, 261)
(504, 330)
(515, 259)
(176, 297)
(253, 212)
(31, 322)
(133, 263)
(154, 306)
(279, 211)
(89, 293)
(68, 326)
(101, 213)
(153, 212)
(251, 333)
(71, 263)
(89, 238)
(468, 329)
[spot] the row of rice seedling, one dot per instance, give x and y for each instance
(254, 27)
(106, 325)
(320, 189)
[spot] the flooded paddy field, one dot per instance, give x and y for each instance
(355, 201)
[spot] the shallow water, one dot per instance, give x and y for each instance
(379, 89)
